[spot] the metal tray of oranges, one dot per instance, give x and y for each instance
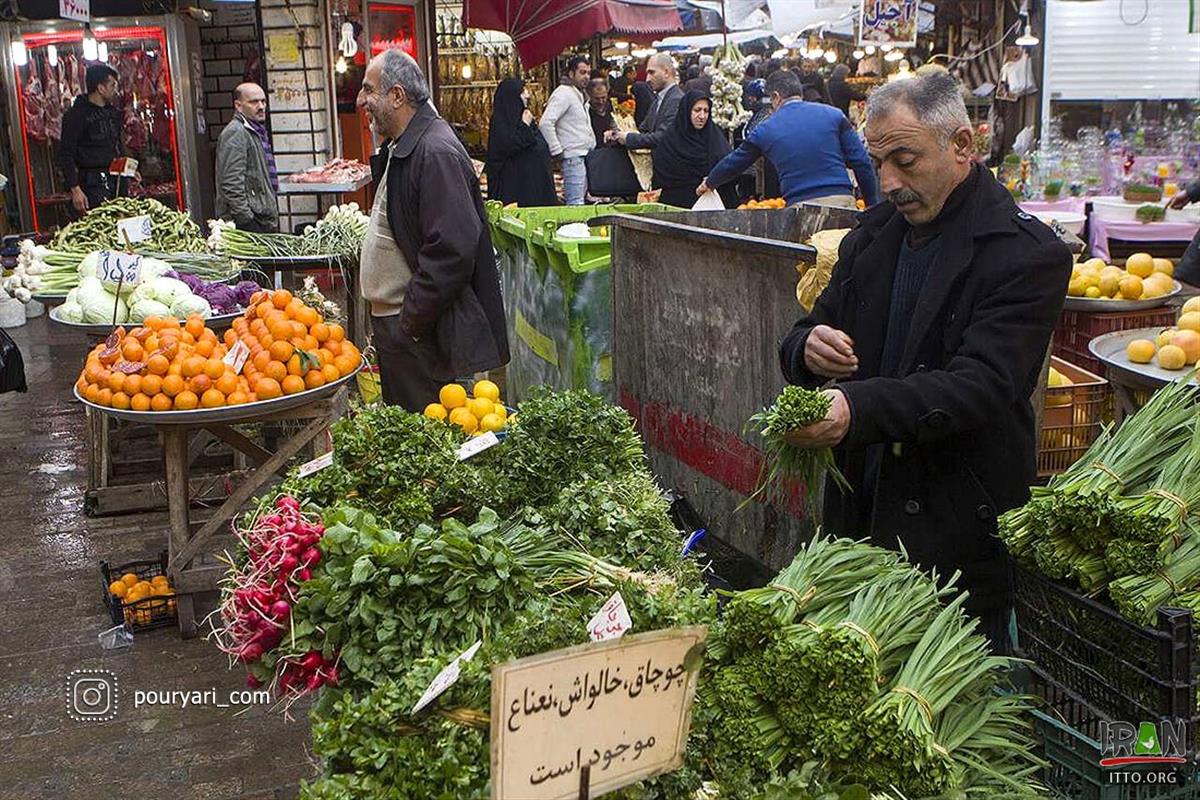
(1100, 304)
(245, 412)
(217, 322)
(1111, 349)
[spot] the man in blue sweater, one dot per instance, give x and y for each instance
(809, 144)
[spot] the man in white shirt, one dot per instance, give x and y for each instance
(567, 128)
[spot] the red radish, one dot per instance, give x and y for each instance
(332, 675)
(314, 682)
(280, 609)
(312, 660)
(253, 682)
(311, 557)
(302, 574)
(289, 563)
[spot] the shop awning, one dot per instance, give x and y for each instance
(542, 29)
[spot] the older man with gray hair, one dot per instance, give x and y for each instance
(427, 268)
(935, 327)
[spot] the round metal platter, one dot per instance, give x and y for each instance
(1110, 348)
(225, 414)
(1097, 305)
(218, 323)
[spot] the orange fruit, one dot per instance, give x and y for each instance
(176, 368)
(236, 398)
(192, 366)
(349, 349)
(102, 377)
(92, 393)
(336, 332)
(293, 365)
(214, 368)
(116, 380)
(267, 388)
(129, 579)
(205, 348)
(333, 347)
(464, 419)
(152, 322)
(479, 407)
(293, 384)
(81, 384)
(293, 308)
(132, 385)
(299, 329)
(280, 298)
(260, 360)
(200, 384)
(226, 384)
(212, 399)
(194, 325)
(118, 589)
(151, 343)
(173, 385)
(308, 316)
(132, 349)
(120, 400)
(187, 338)
(151, 384)
(105, 397)
(331, 373)
(325, 356)
(280, 329)
(160, 402)
(435, 411)
(158, 365)
(314, 379)
(139, 402)
(276, 370)
(319, 330)
(347, 364)
(231, 335)
(186, 401)
(281, 350)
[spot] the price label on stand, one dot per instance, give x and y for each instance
(124, 166)
(477, 445)
(316, 465)
(237, 355)
(116, 267)
(135, 229)
(446, 678)
(612, 621)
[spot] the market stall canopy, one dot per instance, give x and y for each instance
(705, 41)
(789, 17)
(542, 29)
(740, 15)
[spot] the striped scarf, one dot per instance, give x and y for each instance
(260, 130)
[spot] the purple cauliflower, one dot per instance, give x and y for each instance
(220, 296)
(244, 291)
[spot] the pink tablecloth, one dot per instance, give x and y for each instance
(1070, 205)
(1101, 230)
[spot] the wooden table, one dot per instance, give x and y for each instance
(184, 548)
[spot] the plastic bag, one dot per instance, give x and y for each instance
(12, 366)
(814, 279)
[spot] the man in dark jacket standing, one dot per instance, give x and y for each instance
(935, 326)
(1188, 267)
(91, 139)
(427, 265)
(247, 180)
(664, 80)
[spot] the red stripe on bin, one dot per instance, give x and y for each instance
(713, 452)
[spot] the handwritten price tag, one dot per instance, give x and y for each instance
(612, 621)
(237, 355)
(477, 445)
(136, 228)
(316, 465)
(117, 267)
(446, 678)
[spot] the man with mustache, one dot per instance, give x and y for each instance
(934, 328)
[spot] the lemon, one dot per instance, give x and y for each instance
(452, 396)
(436, 411)
(1193, 304)
(1076, 288)
(464, 419)
(1172, 357)
(1140, 351)
(487, 389)
(1164, 337)
(1093, 292)
(479, 407)
(1157, 285)
(1164, 266)
(1189, 321)
(491, 422)
(1131, 288)
(1095, 263)
(1109, 284)
(500, 411)
(1140, 264)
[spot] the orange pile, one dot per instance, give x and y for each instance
(164, 365)
(129, 589)
(774, 202)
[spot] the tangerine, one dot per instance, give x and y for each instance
(132, 385)
(152, 322)
(276, 370)
(325, 356)
(139, 402)
(260, 360)
(186, 400)
(226, 384)
(152, 384)
(214, 368)
(293, 365)
(314, 379)
(200, 384)
(92, 393)
(267, 388)
(293, 384)
(299, 329)
(132, 350)
(173, 385)
(333, 347)
(236, 398)
(347, 364)
(281, 350)
(160, 402)
(331, 373)
(105, 397)
(205, 348)
(116, 380)
(194, 325)
(176, 368)
(319, 330)
(212, 398)
(192, 366)
(231, 334)
(336, 332)
(307, 316)
(120, 400)
(280, 298)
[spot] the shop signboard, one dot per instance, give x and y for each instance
(891, 22)
(604, 714)
(80, 10)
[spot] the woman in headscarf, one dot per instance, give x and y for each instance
(518, 159)
(693, 146)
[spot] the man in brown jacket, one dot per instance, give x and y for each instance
(427, 268)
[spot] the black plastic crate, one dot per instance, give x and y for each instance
(1068, 731)
(157, 611)
(1123, 670)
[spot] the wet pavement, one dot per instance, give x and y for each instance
(51, 611)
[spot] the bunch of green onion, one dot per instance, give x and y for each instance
(795, 408)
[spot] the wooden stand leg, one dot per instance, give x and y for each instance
(175, 456)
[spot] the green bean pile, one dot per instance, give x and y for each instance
(171, 231)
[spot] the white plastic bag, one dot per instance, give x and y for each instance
(709, 201)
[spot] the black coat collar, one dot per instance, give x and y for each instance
(407, 141)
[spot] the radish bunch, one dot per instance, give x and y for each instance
(256, 609)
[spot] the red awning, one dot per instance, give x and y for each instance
(542, 29)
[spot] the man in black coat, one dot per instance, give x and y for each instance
(663, 78)
(427, 266)
(935, 327)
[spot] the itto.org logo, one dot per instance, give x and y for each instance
(1144, 744)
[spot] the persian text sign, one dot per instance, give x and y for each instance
(75, 9)
(621, 708)
(888, 22)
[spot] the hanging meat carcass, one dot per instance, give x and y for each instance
(52, 109)
(134, 135)
(35, 101)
